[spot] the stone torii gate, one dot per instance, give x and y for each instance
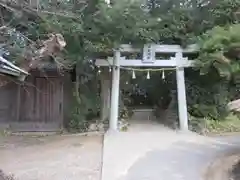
(149, 59)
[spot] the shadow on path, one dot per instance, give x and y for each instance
(182, 160)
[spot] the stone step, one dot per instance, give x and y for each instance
(143, 114)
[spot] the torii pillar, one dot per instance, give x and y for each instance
(113, 121)
(181, 90)
(105, 94)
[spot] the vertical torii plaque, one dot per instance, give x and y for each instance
(148, 54)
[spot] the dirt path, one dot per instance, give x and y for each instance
(143, 153)
(52, 158)
(155, 153)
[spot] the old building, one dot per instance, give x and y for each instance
(39, 103)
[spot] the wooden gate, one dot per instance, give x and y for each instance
(41, 105)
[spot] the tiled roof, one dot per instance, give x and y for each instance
(9, 68)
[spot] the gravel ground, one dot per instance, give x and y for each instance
(52, 158)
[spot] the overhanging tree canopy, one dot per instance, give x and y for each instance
(92, 27)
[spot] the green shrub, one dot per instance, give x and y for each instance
(78, 121)
(207, 125)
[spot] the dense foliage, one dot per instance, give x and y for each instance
(91, 28)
